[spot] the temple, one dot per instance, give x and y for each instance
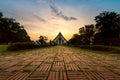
(60, 40)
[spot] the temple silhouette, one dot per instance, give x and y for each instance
(60, 40)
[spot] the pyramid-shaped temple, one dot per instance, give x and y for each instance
(60, 40)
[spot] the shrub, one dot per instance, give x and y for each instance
(100, 48)
(22, 46)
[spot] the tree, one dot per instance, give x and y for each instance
(12, 31)
(87, 33)
(43, 39)
(1, 15)
(108, 25)
(75, 40)
(23, 36)
(85, 36)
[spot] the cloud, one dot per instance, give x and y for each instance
(41, 1)
(60, 13)
(55, 10)
(39, 18)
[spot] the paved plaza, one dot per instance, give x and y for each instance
(59, 63)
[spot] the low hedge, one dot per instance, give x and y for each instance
(22, 46)
(99, 48)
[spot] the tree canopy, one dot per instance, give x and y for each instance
(108, 26)
(106, 31)
(11, 31)
(84, 37)
(42, 39)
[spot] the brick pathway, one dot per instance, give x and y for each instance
(59, 63)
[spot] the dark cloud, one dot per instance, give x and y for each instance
(60, 13)
(39, 18)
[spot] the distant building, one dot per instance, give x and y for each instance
(60, 40)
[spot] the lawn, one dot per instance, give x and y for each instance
(4, 51)
(101, 49)
(3, 48)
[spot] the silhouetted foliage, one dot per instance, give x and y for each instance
(75, 40)
(11, 31)
(105, 32)
(108, 49)
(87, 33)
(43, 39)
(84, 37)
(22, 46)
(108, 25)
(1, 15)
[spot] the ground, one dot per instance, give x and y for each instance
(60, 63)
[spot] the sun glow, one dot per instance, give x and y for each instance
(50, 28)
(49, 17)
(65, 33)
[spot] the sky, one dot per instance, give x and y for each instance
(49, 17)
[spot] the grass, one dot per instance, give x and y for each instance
(4, 51)
(3, 48)
(116, 47)
(110, 49)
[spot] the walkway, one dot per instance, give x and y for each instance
(59, 63)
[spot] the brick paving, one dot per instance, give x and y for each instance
(60, 63)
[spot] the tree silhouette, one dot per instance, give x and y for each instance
(108, 25)
(42, 39)
(75, 40)
(12, 31)
(84, 37)
(87, 32)
(105, 32)
(1, 15)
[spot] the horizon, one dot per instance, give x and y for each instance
(49, 17)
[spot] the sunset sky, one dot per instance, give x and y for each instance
(49, 17)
